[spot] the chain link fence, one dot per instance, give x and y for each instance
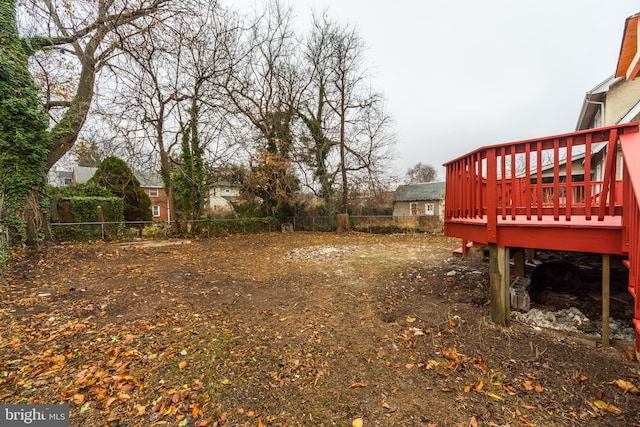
(88, 231)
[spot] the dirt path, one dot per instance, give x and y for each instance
(290, 329)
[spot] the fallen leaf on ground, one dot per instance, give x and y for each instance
(614, 409)
(626, 386)
(600, 404)
(525, 422)
(358, 422)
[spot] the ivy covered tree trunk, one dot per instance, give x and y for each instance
(320, 146)
(24, 140)
(190, 179)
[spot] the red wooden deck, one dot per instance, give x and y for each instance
(540, 194)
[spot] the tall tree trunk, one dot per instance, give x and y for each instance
(65, 132)
(343, 154)
(167, 180)
(24, 139)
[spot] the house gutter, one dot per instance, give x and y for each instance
(601, 104)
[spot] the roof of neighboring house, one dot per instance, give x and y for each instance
(590, 105)
(150, 179)
(631, 114)
(593, 103)
(627, 68)
(424, 191)
(628, 58)
(147, 179)
(83, 174)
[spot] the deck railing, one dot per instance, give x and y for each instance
(631, 223)
(531, 179)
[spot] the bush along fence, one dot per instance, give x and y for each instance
(380, 224)
(106, 230)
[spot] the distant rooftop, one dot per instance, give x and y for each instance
(423, 191)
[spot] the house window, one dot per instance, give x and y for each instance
(153, 192)
(226, 190)
(156, 211)
(413, 209)
(429, 209)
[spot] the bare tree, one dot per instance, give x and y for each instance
(148, 99)
(349, 134)
(91, 33)
(170, 83)
(208, 52)
(350, 130)
(421, 173)
(263, 89)
(314, 111)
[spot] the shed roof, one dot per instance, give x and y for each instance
(424, 191)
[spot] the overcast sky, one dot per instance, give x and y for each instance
(461, 74)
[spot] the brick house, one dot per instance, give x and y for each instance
(152, 184)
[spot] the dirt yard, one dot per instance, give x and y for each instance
(291, 329)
